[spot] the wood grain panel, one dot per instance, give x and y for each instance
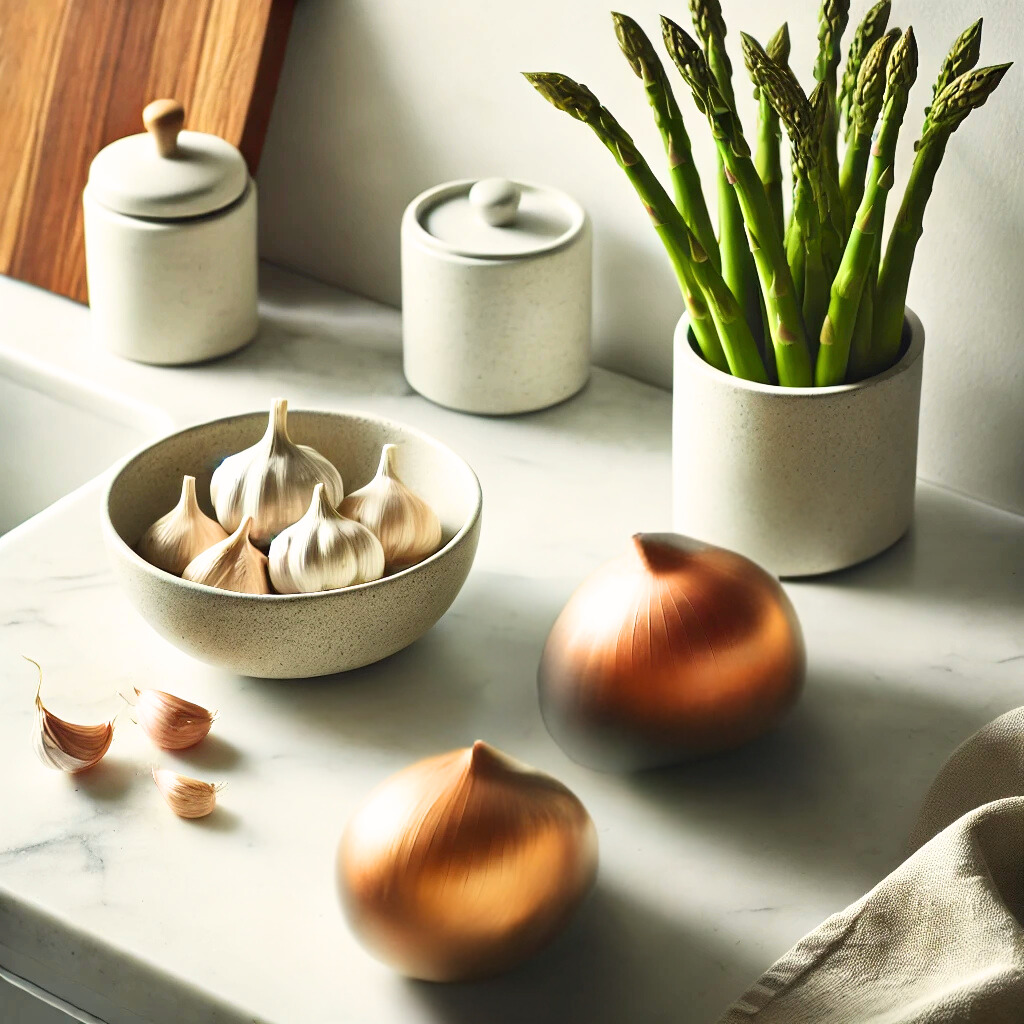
(75, 75)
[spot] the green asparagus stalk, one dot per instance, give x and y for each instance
(784, 315)
(963, 55)
(864, 108)
(869, 31)
(689, 194)
(832, 22)
(737, 264)
(767, 156)
(716, 319)
(949, 110)
(844, 302)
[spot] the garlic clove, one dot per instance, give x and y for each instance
(184, 532)
(65, 746)
(324, 550)
(272, 481)
(187, 797)
(407, 527)
(233, 564)
(170, 722)
(463, 864)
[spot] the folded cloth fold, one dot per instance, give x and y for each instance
(941, 939)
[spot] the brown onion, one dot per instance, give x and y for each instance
(676, 650)
(464, 864)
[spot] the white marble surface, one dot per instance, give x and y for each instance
(708, 872)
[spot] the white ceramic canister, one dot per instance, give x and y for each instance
(496, 296)
(170, 243)
(801, 480)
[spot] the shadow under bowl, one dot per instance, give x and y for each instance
(288, 636)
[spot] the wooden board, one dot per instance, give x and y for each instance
(75, 75)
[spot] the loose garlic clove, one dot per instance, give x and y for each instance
(324, 550)
(186, 531)
(170, 722)
(407, 527)
(272, 481)
(233, 564)
(63, 745)
(187, 797)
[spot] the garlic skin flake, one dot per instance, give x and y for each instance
(170, 722)
(65, 746)
(184, 532)
(187, 797)
(324, 550)
(233, 564)
(407, 527)
(272, 481)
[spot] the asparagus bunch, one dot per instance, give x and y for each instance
(804, 299)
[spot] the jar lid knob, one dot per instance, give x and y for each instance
(496, 200)
(163, 120)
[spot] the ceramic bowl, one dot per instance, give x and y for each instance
(294, 635)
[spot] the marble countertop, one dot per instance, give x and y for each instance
(708, 872)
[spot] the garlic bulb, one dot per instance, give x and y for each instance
(63, 745)
(408, 528)
(272, 481)
(187, 797)
(464, 864)
(169, 721)
(233, 564)
(176, 538)
(675, 650)
(324, 551)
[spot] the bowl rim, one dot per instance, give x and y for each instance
(134, 557)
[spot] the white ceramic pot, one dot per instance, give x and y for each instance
(170, 243)
(496, 296)
(801, 480)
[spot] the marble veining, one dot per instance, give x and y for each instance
(708, 872)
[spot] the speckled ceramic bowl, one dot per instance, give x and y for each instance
(294, 636)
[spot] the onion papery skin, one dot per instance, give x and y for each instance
(462, 865)
(674, 651)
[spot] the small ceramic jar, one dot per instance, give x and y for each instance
(496, 296)
(170, 243)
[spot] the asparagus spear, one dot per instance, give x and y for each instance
(785, 319)
(689, 195)
(865, 106)
(869, 31)
(832, 21)
(767, 158)
(718, 324)
(963, 55)
(737, 265)
(844, 302)
(949, 110)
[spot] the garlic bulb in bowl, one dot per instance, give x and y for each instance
(233, 564)
(184, 532)
(462, 865)
(272, 481)
(408, 528)
(324, 550)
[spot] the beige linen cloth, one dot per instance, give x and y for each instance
(941, 939)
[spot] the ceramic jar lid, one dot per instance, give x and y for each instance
(166, 173)
(495, 218)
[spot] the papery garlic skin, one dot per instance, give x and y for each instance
(324, 550)
(464, 864)
(171, 722)
(184, 532)
(272, 481)
(65, 746)
(233, 564)
(187, 797)
(407, 527)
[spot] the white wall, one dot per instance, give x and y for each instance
(382, 98)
